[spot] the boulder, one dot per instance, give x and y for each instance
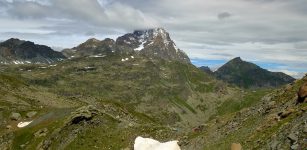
(292, 137)
(286, 113)
(294, 147)
(31, 114)
(274, 144)
(302, 93)
(41, 132)
(15, 116)
(305, 129)
(236, 146)
(8, 127)
(85, 113)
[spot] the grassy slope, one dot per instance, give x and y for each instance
(253, 121)
(150, 97)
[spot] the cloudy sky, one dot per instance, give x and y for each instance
(270, 33)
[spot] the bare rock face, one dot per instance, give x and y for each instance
(153, 43)
(302, 93)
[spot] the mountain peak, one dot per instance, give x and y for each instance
(206, 69)
(153, 43)
(152, 34)
(12, 42)
(16, 51)
(155, 31)
(249, 75)
(92, 40)
(237, 59)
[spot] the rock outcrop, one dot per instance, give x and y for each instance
(83, 114)
(302, 93)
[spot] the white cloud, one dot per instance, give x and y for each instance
(257, 30)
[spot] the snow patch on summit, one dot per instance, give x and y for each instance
(148, 36)
(141, 46)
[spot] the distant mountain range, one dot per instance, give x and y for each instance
(248, 75)
(15, 51)
(152, 43)
(206, 69)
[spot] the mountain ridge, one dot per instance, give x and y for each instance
(15, 51)
(249, 75)
(152, 43)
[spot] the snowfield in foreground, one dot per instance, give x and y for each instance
(23, 124)
(151, 144)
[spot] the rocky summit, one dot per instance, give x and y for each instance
(249, 75)
(92, 47)
(15, 51)
(153, 43)
(206, 69)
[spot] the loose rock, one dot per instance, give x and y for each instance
(8, 127)
(294, 147)
(236, 146)
(31, 114)
(41, 132)
(286, 113)
(292, 137)
(15, 116)
(302, 93)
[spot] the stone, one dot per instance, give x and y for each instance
(15, 116)
(236, 146)
(302, 93)
(292, 137)
(8, 127)
(272, 104)
(273, 145)
(286, 113)
(31, 114)
(294, 147)
(41, 132)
